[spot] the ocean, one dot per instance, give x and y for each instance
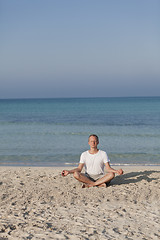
(54, 132)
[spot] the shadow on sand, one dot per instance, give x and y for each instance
(134, 177)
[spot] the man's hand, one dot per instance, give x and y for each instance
(120, 171)
(65, 173)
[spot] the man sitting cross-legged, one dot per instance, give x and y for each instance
(94, 161)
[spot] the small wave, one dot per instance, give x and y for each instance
(70, 163)
(122, 164)
(134, 164)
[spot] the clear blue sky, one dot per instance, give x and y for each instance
(79, 48)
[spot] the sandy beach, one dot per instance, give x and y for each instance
(38, 203)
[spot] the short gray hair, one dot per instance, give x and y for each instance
(94, 135)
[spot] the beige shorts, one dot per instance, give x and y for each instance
(94, 177)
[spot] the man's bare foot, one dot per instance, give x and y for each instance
(102, 185)
(85, 185)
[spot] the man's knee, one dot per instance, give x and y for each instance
(76, 175)
(112, 175)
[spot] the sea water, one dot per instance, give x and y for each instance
(54, 132)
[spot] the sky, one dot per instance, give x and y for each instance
(79, 48)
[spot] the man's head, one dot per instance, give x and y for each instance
(95, 136)
(93, 141)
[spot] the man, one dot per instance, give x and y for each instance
(94, 161)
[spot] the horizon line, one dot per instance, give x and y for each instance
(38, 98)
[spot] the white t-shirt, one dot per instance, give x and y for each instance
(94, 163)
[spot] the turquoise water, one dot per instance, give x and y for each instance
(54, 132)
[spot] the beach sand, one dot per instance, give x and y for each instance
(38, 203)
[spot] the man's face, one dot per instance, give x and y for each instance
(93, 142)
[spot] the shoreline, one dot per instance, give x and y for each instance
(38, 203)
(68, 166)
(73, 165)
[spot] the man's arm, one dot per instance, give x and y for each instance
(109, 169)
(78, 169)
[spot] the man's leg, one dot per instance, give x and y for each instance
(101, 182)
(82, 178)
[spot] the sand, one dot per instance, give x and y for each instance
(38, 203)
